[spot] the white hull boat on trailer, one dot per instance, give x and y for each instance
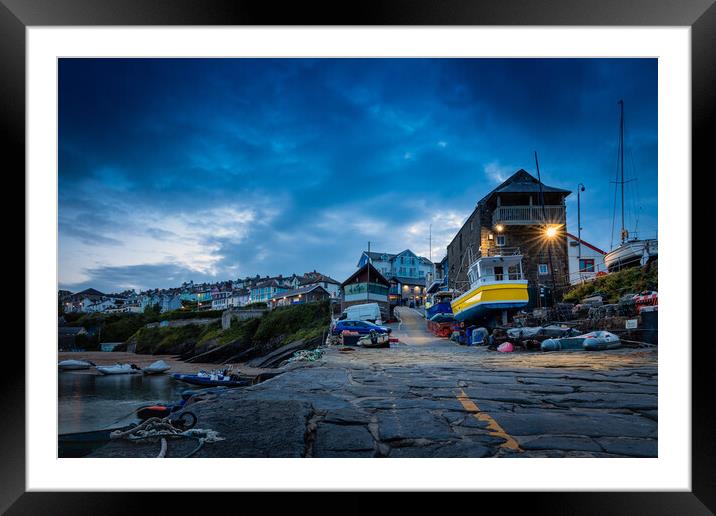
(119, 369)
(158, 367)
(74, 365)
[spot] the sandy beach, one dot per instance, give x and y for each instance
(178, 366)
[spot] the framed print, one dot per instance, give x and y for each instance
(286, 245)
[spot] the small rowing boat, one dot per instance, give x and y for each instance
(74, 365)
(158, 367)
(212, 379)
(119, 369)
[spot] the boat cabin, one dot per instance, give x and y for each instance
(443, 296)
(496, 269)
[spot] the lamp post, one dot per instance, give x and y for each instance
(580, 189)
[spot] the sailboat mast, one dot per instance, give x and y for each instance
(621, 162)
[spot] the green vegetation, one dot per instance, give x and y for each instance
(185, 314)
(257, 304)
(120, 327)
(274, 329)
(293, 322)
(160, 340)
(612, 286)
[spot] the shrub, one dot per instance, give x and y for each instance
(614, 285)
(288, 321)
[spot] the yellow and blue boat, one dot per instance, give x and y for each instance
(497, 284)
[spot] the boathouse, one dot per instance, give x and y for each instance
(367, 285)
(513, 216)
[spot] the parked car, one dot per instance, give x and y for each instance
(362, 327)
(365, 312)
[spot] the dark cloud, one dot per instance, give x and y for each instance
(158, 147)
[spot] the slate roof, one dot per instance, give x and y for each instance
(379, 256)
(522, 182)
(269, 283)
(409, 281)
(296, 292)
(318, 279)
(70, 330)
(373, 272)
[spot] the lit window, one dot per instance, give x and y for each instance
(543, 269)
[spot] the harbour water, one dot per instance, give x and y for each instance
(89, 402)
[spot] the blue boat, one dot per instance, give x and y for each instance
(211, 379)
(439, 304)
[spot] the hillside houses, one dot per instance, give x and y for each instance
(220, 295)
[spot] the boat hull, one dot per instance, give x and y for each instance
(81, 444)
(438, 308)
(208, 382)
(73, 365)
(485, 299)
(630, 254)
(114, 370)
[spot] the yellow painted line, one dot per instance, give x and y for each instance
(492, 425)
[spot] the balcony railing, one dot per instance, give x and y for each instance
(523, 215)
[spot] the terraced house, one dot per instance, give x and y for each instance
(262, 292)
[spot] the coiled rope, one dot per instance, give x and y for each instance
(163, 428)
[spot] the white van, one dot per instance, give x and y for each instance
(367, 312)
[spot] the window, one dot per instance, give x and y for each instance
(500, 239)
(586, 265)
(543, 269)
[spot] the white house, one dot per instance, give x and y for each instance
(317, 279)
(585, 260)
(100, 306)
(220, 300)
(239, 297)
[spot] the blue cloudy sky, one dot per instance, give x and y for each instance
(208, 169)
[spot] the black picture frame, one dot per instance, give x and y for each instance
(700, 15)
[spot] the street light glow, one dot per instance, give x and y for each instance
(551, 232)
(499, 228)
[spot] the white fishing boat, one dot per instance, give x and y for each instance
(158, 367)
(631, 251)
(74, 365)
(119, 369)
(497, 285)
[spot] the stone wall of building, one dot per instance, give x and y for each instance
(529, 239)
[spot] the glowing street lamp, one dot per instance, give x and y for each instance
(499, 228)
(551, 232)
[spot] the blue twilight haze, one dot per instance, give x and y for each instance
(211, 169)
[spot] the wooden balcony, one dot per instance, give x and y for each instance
(526, 215)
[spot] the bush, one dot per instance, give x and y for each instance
(184, 314)
(290, 321)
(615, 285)
(160, 340)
